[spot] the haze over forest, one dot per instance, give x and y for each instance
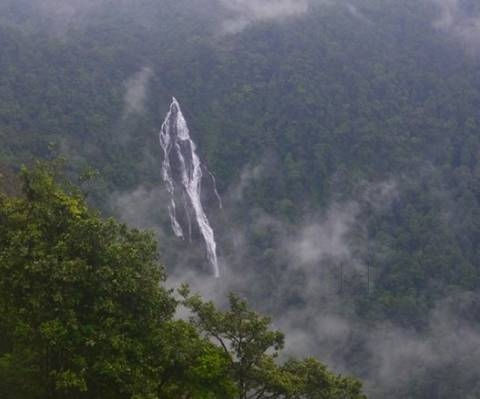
(342, 137)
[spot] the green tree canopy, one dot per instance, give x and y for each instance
(252, 346)
(83, 311)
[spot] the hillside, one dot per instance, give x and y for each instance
(344, 139)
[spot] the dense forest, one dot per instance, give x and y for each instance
(344, 137)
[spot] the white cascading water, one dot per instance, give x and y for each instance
(176, 142)
(165, 143)
(219, 199)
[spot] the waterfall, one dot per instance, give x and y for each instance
(166, 144)
(215, 191)
(186, 174)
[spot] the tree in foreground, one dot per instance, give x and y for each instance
(82, 310)
(252, 348)
(84, 314)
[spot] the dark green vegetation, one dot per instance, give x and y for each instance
(85, 314)
(328, 104)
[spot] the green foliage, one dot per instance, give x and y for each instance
(81, 294)
(251, 347)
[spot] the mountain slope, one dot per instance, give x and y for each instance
(344, 140)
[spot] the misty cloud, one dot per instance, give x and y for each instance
(327, 238)
(459, 21)
(400, 356)
(136, 89)
(245, 12)
(394, 358)
(378, 196)
(248, 175)
(356, 13)
(142, 207)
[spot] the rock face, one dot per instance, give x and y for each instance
(182, 172)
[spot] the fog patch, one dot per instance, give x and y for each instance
(355, 12)
(327, 238)
(244, 12)
(142, 207)
(462, 22)
(136, 89)
(247, 176)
